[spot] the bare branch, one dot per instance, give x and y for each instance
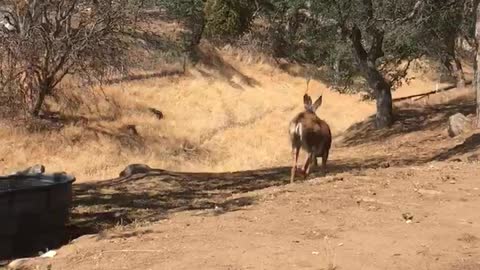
(53, 39)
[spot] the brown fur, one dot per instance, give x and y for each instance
(311, 133)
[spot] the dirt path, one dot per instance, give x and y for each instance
(347, 221)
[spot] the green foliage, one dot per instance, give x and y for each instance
(441, 25)
(191, 13)
(228, 18)
(317, 32)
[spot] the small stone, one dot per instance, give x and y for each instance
(315, 252)
(157, 113)
(453, 182)
(407, 216)
(218, 209)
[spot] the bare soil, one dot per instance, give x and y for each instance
(346, 221)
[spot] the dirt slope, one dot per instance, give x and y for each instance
(230, 104)
(223, 107)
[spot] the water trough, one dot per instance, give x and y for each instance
(34, 209)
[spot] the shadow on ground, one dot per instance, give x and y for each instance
(223, 70)
(471, 144)
(139, 77)
(407, 120)
(153, 196)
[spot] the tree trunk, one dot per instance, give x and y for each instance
(457, 68)
(38, 103)
(382, 91)
(477, 59)
(336, 69)
(384, 115)
(376, 81)
(197, 28)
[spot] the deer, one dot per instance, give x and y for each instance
(312, 134)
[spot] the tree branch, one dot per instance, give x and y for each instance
(376, 50)
(356, 38)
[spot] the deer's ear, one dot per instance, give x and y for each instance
(307, 101)
(317, 103)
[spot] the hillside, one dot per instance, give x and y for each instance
(229, 113)
(213, 117)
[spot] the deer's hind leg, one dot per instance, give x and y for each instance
(308, 164)
(295, 152)
(324, 161)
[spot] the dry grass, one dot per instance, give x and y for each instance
(230, 113)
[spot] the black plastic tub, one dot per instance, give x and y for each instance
(34, 210)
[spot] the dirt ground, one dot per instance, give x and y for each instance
(347, 221)
(404, 198)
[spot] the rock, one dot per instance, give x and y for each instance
(35, 169)
(49, 254)
(458, 124)
(445, 178)
(135, 169)
(157, 113)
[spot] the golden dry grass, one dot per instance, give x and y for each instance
(230, 113)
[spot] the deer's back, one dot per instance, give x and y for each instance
(310, 132)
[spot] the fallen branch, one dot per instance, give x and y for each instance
(420, 96)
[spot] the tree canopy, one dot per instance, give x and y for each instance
(375, 40)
